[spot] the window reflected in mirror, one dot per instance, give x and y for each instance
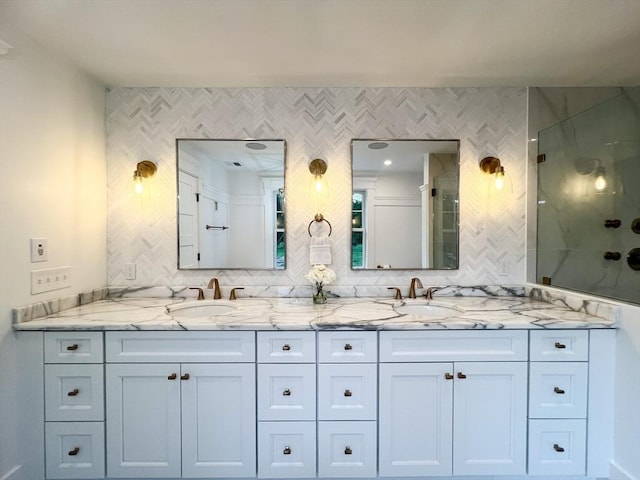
(404, 204)
(231, 204)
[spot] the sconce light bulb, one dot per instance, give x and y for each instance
(601, 182)
(137, 180)
(317, 180)
(500, 178)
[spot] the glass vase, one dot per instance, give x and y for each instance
(319, 296)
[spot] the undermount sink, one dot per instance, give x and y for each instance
(429, 309)
(200, 308)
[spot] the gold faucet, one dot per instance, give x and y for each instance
(398, 295)
(415, 283)
(232, 295)
(428, 294)
(213, 283)
(200, 292)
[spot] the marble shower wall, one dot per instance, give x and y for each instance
(143, 123)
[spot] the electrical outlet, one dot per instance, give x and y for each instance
(130, 271)
(50, 279)
(39, 250)
(503, 267)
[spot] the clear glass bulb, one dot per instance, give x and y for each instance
(499, 180)
(600, 183)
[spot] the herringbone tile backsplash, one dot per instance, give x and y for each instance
(143, 123)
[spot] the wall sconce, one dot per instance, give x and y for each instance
(318, 168)
(601, 180)
(491, 165)
(144, 169)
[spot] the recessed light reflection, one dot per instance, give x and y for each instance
(388, 162)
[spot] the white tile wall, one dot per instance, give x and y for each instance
(142, 123)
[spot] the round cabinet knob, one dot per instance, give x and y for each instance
(348, 346)
(560, 345)
(186, 376)
(347, 393)
(558, 390)
(612, 255)
(558, 448)
(72, 348)
(347, 451)
(75, 451)
(633, 258)
(286, 393)
(73, 392)
(286, 347)
(173, 376)
(286, 451)
(461, 375)
(635, 225)
(448, 376)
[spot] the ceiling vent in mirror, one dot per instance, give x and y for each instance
(378, 145)
(255, 146)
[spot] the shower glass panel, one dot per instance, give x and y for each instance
(589, 201)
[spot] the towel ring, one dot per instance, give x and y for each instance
(319, 218)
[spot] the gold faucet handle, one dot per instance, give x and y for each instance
(232, 295)
(398, 295)
(200, 292)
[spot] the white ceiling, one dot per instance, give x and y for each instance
(297, 43)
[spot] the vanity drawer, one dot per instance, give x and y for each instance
(557, 447)
(347, 449)
(185, 347)
(287, 347)
(558, 389)
(286, 392)
(559, 345)
(73, 347)
(74, 450)
(347, 392)
(74, 392)
(286, 450)
(453, 346)
(347, 347)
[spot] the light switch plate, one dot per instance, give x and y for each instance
(39, 250)
(50, 279)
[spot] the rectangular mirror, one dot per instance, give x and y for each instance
(231, 204)
(404, 204)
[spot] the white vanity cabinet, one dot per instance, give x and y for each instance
(347, 404)
(169, 417)
(74, 405)
(452, 403)
(286, 404)
(558, 402)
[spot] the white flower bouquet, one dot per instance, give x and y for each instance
(320, 275)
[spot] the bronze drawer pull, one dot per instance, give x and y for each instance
(461, 375)
(75, 451)
(186, 376)
(558, 390)
(348, 346)
(448, 376)
(560, 345)
(73, 392)
(286, 393)
(558, 448)
(73, 347)
(347, 451)
(287, 451)
(173, 376)
(286, 347)
(347, 393)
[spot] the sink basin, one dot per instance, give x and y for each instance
(429, 309)
(201, 308)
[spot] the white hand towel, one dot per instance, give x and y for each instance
(320, 254)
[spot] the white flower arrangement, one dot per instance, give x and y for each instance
(320, 275)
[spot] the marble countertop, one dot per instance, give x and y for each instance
(474, 312)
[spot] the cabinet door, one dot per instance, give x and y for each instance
(218, 420)
(143, 420)
(415, 419)
(490, 418)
